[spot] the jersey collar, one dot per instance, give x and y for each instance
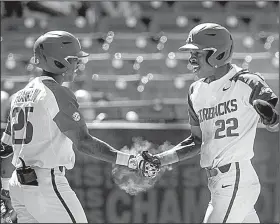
(45, 77)
(234, 69)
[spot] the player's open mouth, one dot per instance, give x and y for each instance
(195, 67)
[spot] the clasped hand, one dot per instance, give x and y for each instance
(146, 163)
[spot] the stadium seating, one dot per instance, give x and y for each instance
(172, 23)
(172, 45)
(181, 112)
(249, 7)
(232, 21)
(163, 89)
(72, 24)
(263, 65)
(197, 6)
(149, 9)
(119, 25)
(124, 52)
(274, 45)
(19, 25)
(93, 46)
(247, 43)
(268, 22)
(101, 66)
(140, 44)
(127, 68)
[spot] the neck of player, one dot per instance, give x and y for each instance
(220, 72)
(57, 77)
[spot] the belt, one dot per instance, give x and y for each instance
(61, 168)
(29, 176)
(214, 171)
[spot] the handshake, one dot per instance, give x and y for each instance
(143, 169)
(146, 163)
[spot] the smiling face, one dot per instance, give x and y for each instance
(199, 63)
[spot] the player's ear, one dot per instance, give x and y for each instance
(35, 60)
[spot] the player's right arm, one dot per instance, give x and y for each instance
(63, 108)
(6, 153)
(189, 147)
(186, 149)
(95, 147)
(7, 169)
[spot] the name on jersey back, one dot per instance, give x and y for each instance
(28, 95)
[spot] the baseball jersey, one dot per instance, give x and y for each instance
(228, 121)
(39, 115)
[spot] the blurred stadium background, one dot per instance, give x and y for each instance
(134, 84)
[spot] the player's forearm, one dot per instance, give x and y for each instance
(101, 150)
(7, 168)
(186, 149)
(6, 153)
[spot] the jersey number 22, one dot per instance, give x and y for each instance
(229, 126)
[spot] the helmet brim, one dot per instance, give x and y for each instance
(188, 47)
(82, 54)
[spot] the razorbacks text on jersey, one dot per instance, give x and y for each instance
(39, 115)
(223, 110)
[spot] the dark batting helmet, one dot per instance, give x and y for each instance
(214, 38)
(53, 49)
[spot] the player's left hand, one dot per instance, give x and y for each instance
(148, 164)
(268, 114)
(8, 214)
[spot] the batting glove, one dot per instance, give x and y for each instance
(268, 114)
(149, 165)
(8, 214)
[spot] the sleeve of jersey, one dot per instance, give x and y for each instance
(193, 119)
(65, 112)
(260, 90)
(69, 118)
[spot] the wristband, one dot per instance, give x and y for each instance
(6, 139)
(169, 158)
(122, 158)
(272, 128)
(5, 183)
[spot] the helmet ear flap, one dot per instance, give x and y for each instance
(209, 54)
(222, 58)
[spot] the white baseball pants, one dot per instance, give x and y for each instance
(233, 195)
(52, 201)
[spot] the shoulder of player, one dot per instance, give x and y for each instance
(62, 94)
(194, 85)
(249, 78)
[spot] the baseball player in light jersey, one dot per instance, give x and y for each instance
(44, 124)
(225, 105)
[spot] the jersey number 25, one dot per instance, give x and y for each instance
(21, 115)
